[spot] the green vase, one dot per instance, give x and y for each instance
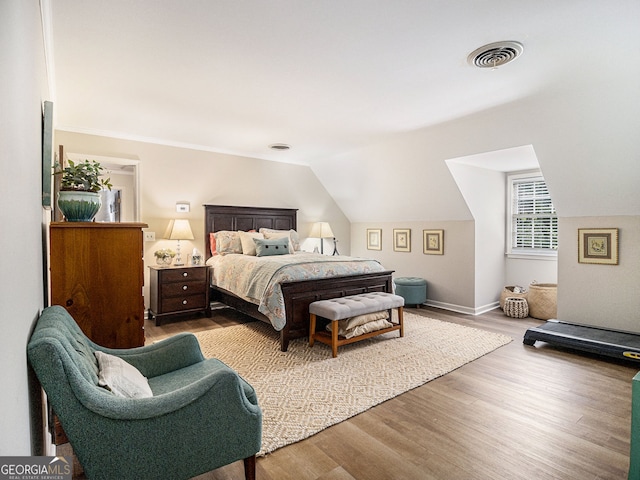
(79, 206)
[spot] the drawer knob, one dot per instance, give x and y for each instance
(185, 274)
(184, 302)
(184, 287)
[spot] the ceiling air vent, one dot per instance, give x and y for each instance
(279, 146)
(495, 54)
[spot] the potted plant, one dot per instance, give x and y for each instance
(78, 199)
(164, 256)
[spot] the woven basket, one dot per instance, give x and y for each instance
(543, 300)
(508, 292)
(516, 307)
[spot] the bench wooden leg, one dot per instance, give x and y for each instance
(401, 320)
(312, 328)
(334, 338)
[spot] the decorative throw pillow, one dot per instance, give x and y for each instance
(292, 234)
(227, 242)
(212, 243)
(267, 247)
(248, 245)
(121, 378)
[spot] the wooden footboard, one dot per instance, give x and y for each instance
(298, 296)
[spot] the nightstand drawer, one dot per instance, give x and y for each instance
(184, 274)
(187, 302)
(183, 288)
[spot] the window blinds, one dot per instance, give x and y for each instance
(534, 222)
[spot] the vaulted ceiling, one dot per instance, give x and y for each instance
(326, 77)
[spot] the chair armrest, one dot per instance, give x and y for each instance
(223, 387)
(162, 357)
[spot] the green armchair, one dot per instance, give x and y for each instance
(202, 414)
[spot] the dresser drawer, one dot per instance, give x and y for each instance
(183, 288)
(185, 302)
(184, 274)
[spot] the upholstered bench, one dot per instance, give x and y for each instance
(341, 308)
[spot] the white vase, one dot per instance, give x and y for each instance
(164, 261)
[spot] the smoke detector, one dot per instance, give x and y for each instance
(495, 55)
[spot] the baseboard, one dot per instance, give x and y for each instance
(463, 309)
(487, 308)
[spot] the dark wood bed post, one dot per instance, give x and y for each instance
(297, 295)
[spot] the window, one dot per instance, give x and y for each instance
(533, 223)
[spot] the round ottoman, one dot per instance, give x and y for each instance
(412, 289)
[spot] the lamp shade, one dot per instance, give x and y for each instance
(179, 229)
(321, 230)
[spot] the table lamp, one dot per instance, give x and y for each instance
(179, 229)
(322, 230)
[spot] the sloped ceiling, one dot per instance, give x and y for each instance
(325, 76)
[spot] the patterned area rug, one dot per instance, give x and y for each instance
(305, 390)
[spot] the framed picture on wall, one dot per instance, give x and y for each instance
(598, 245)
(402, 239)
(433, 242)
(374, 239)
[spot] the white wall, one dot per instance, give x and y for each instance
(22, 78)
(484, 193)
(523, 272)
(170, 174)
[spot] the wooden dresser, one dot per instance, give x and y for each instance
(97, 274)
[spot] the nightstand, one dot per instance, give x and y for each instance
(178, 291)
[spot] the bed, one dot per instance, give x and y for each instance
(296, 295)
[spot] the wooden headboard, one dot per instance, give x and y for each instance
(227, 217)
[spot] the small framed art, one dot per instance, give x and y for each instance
(598, 245)
(402, 239)
(433, 242)
(374, 239)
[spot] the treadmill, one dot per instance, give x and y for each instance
(600, 341)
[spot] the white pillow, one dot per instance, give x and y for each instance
(121, 378)
(248, 245)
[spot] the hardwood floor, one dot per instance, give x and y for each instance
(517, 413)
